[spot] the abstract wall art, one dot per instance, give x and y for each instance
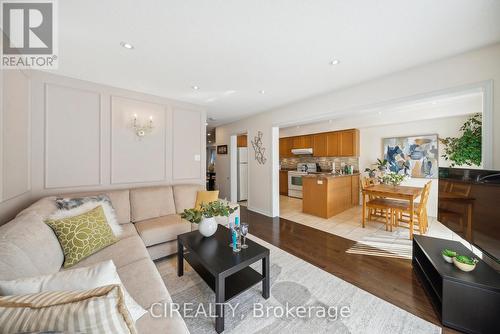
(259, 149)
(415, 156)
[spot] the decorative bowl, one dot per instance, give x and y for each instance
(464, 263)
(448, 255)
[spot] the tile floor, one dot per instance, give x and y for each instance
(348, 223)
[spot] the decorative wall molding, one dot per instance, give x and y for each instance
(47, 171)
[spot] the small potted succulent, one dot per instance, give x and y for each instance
(448, 255)
(205, 216)
(465, 263)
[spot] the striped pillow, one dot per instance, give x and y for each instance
(100, 310)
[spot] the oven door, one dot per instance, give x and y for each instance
(295, 184)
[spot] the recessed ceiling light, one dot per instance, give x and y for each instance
(127, 45)
(330, 121)
(334, 62)
(380, 113)
(209, 134)
(206, 124)
(262, 91)
(434, 102)
(195, 87)
(210, 142)
(298, 126)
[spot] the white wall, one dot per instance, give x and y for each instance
(452, 73)
(78, 136)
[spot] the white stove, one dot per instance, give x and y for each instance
(295, 178)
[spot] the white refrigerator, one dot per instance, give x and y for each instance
(242, 173)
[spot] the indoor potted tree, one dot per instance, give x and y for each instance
(205, 216)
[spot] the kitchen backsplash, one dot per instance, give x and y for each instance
(325, 163)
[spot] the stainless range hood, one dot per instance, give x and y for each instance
(302, 151)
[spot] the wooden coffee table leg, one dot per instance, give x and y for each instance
(219, 303)
(267, 279)
(180, 258)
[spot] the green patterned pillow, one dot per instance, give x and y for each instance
(82, 235)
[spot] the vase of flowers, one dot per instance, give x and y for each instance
(205, 216)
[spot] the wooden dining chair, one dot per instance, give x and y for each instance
(401, 212)
(372, 212)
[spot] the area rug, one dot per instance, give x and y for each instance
(384, 244)
(295, 284)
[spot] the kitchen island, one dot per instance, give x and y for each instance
(326, 195)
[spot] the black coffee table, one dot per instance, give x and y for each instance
(227, 273)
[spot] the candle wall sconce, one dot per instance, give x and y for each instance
(142, 129)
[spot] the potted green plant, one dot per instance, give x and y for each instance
(371, 172)
(465, 263)
(392, 178)
(205, 216)
(466, 149)
(448, 255)
(382, 164)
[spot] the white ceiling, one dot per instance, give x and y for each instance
(234, 49)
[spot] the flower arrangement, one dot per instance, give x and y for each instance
(392, 178)
(207, 210)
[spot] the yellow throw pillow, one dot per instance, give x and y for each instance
(82, 235)
(206, 197)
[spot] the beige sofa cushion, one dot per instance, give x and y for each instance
(28, 247)
(143, 282)
(151, 202)
(161, 250)
(128, 231)
(158, 230)
(165, 325)
(44, 207)
(185, 196)
(124, 252)
(119, 198)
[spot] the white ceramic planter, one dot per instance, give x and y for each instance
(464, 266)
(207, 226)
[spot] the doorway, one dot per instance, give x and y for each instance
(242, 169)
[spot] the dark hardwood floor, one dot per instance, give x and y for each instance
(390, 279)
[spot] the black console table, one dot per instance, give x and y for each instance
(466, 301)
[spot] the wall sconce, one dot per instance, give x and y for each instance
(142, 129)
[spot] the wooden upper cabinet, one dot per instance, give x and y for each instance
(302, 141)
(332, 139)
(286, 147)
(349, 143)
(241, 141)
(320, 148)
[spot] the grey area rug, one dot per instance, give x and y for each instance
(294, 282)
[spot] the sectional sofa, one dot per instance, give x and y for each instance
(151, 222)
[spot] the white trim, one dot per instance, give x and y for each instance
(262, 212)
(487, 142)
(275, 163)
(233, 173)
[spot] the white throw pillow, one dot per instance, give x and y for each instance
(109, 212)
(100, 274)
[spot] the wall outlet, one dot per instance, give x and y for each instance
(197, 157)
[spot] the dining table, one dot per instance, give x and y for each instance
(406, 193)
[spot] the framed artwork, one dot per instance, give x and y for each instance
(222, 149)
(416, 156)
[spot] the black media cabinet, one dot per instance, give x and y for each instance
(466, 301)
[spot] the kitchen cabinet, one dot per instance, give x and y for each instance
(349, 143)
(302, 141)
(241, 141)
(284, 182)
(286, 147)
(320, 145)
(326, 196)
(332, 139)
(355, 190)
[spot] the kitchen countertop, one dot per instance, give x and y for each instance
(329, 175)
